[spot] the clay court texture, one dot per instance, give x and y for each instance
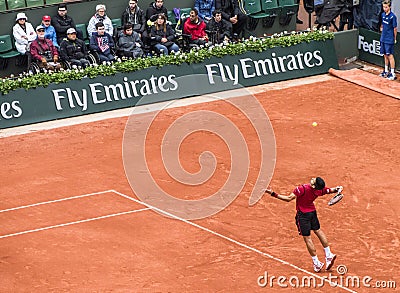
(70, 221)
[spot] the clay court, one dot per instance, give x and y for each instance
(70, 221)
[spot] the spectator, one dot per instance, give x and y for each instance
(102, 43)
(155, 9)
(219, 28)
(100, 16)
(129, 43)
(74, 50)
(196, 28)
(62, 22)
(44, 52)
(205, 9)
(231, 12)
(135, 16)
(163, 36)
(23, 32)
(49, 31)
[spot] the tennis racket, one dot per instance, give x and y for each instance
(337, 197)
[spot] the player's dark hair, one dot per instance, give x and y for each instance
(319, 183)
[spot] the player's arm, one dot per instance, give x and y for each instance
(286, 198)
(334, 189)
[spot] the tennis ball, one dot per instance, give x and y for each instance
(314, 124)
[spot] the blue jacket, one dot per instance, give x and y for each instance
(50, 33)
(205, 8)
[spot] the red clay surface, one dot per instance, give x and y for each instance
(356, 144)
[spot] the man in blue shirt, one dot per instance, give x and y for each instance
(388, 39)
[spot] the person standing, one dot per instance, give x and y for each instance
(388, 39)
(307, 219)
(23, 32)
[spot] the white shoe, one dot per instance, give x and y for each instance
(330, 261)
(318, 267)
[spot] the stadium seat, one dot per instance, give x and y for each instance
(271, 8)
(3, 6)
(15, 4)
(82, 27)
(288, 9)
(171, 18)
(33, 3)
(116, 22)
(48, 2)
(253, 9)
(7, 50)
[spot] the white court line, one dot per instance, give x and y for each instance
(323, 279)
(72, 223)
(56, 200)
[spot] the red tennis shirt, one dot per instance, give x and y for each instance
(305, 196)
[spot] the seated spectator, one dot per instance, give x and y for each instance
(163, 36)
(231, 12)
(49, 31)
(62, 22)
(155, 9)
(135, 16)
(205, 9)
(74, 50)
(23, 32)
(100, 16)
(129, 43)
(219, 28)
(102, 43)
(196, 28)
(44, 52)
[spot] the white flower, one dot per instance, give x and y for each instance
(74, 66)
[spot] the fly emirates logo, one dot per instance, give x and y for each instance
(249, 68)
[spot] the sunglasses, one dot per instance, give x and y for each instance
(40, 31)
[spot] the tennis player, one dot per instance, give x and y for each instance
(307, 219)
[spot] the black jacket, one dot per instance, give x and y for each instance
(61, 25)
(73, 49)
(229, 8)
(152, 11)
(137, 19)
(222, 29)
(158, 34)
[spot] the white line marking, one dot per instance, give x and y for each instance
(72, 223)
(324, 279)
(56, 200)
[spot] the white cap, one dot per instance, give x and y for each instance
(21, 15)
(39, 27)
(71, 30)
(100, 6)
